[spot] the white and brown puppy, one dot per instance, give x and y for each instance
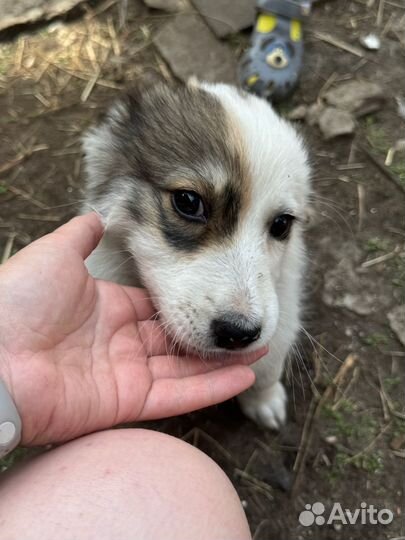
(204, 190)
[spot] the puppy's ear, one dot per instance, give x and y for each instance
(149, 86)
(151, 81)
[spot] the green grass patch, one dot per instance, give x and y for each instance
(353, 429)
(377, 245)
(380, 142)
(13, 458)
(374, 340)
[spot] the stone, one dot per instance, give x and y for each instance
(357, 97)
(226, 17)
(14, 12)
(314, 111)
(191, 49)
(334, 123)
(167, 5)
(396, 318)
(398, 442)
(346, 287)
(298, 113)
(370, 42)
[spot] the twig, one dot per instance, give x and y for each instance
(382, 258)
(387, 173)
(259, 528)
(362, 210)
(113, 35)
(371, 445)
(386, 413)
(336, 42)
(380, 13)
(21, 157)
(35, 217)
(8, 247)
(327, 84)
(27, 197)
(398, 146)
(199, 432)
(346, 366)
(350, 166)
(263, 486)
(352, 381)
(251, 459)
(89, 87)
(315, 408)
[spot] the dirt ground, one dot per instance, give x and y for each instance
(345, 438)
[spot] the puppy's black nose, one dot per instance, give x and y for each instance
(234, 331)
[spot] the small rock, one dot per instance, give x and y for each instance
(363, 305)
(345, 288)
(167, 5)
(357, 97)
(281, 479)
(276, 475)
(371, 42)
(334, 122)
(226, 17)
(401, 106)
(396, 318)
(191, 49)
(331, 439)
(314, 111)
(398, 442)
(298, 113)
(14, 13)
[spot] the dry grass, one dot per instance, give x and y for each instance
(100, 49)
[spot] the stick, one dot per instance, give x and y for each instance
(313, 414)
(386, 172)
(336, 42)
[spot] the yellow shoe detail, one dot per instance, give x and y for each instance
(266, 23)
(295, 30)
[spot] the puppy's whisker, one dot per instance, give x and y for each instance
(337, 212)
(116, 268)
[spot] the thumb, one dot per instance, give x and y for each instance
(81, 233)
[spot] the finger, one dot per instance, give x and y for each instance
(175, 366)
(140, 299)
(179, 367)
(170, 397)
(82, 233)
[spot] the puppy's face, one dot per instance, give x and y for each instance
(207, 187)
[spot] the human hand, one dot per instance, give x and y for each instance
(79, 354)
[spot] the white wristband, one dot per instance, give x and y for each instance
(10, 422)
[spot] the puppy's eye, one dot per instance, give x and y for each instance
(189, 205)
(281, 226)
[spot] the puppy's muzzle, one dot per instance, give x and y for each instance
(234, 331)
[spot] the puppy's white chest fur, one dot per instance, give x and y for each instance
(204, 190)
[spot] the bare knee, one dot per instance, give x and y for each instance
(121, 484)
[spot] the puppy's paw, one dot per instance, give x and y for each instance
(267, 407)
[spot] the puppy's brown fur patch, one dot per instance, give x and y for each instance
(178, 137)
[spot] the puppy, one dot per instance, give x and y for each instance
(204, 190)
